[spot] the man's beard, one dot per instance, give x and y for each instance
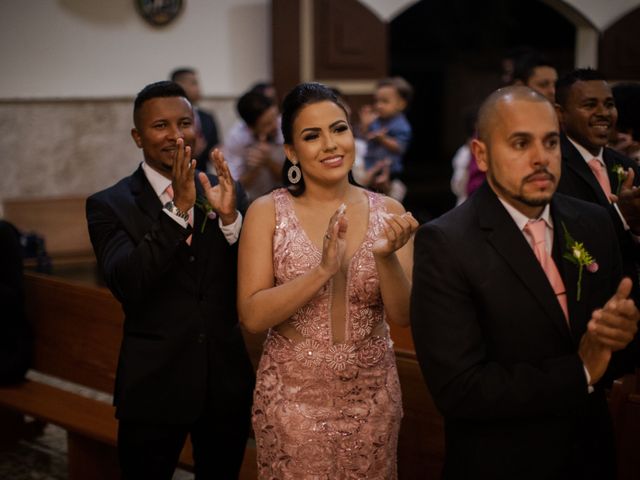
(529, 201)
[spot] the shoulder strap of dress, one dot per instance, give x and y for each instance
(376, 209)
(282, 204)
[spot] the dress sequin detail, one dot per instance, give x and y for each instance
(324, 410)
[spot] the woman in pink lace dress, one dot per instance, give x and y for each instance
(323, 265)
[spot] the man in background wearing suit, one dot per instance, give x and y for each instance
(207, 137)
(590, 170)
(183, 367)
(518, 307)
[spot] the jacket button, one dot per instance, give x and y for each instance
(192, 259)
(201, 338)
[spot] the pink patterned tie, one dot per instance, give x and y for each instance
(169, 191)
(536, 229)
(598, 171)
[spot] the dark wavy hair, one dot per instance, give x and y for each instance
(302, 95)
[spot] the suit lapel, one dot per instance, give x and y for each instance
(564, 215)
(510, 243)
(574, 161)
(610, 163)
(145, 198)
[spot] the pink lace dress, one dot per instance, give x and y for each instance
(325, 410)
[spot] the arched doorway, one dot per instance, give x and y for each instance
(451, 52)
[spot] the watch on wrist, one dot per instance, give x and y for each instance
(171, 207)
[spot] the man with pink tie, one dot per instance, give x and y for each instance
(519, 311)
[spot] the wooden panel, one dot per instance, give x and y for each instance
(285, 44)
(91, 459)
(620, 48)
(78, 329)
(421, 442)
(60, 220)
(350, 41)
(85, 416)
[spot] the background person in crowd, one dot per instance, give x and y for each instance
(265, 88)
(590, 170)
(462, 159)
(625, 138)
(183, 367)
(16, 342)
(536, 72)
(254, 145)
(207, 137)
(508, 61)
(323, 264)
(516, 327)
(388, 134)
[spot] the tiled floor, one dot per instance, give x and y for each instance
(43, 457)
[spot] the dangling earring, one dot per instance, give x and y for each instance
(294, 174)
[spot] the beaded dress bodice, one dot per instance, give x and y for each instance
(325, 410)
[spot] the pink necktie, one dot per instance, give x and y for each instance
(169, 191)
(537, 229)
(598, 171)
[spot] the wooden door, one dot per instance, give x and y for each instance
(340, 43)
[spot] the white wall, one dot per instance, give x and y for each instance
(103, 48)
(601, 13)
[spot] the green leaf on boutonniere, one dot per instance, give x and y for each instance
(209, 213)
(577, 254)
(621, 173)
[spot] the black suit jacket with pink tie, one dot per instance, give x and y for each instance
(182, 345)
(577, 180)
(493, 344)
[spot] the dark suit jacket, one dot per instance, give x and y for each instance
(577, 180)
(495, 349)
(182, 344)
(210, 132)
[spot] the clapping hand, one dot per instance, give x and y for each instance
(221, 197)
(616, 324)
(397, 231)
(629, 202)
(334, 241)
(182, 175)
(610, 329)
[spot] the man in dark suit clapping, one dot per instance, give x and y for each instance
(519, 308)
(183, 367)
(593, 172)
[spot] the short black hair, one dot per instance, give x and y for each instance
(564, 83)
(162, 89)
(524, 66)
(178, 72)
(252, 105)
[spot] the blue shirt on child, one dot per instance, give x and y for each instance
(399, 129)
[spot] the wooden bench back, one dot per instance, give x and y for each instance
(60, 220)
(78, 329)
